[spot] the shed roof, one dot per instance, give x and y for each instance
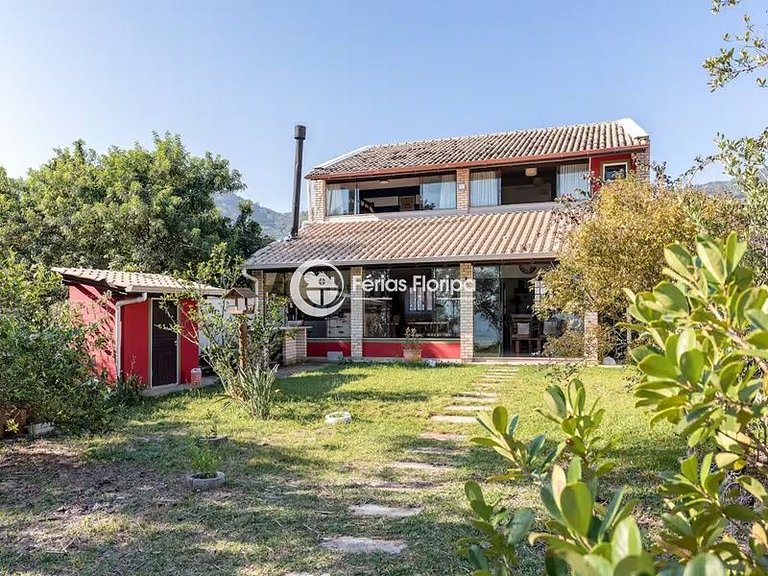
(519, 234)
(537, 144)
(134, 282)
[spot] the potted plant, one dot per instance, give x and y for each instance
(412, 345)
(205, 468)
(212, 435)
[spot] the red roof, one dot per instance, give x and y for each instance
(504, 147)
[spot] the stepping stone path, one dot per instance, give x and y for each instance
(467, 401)
(452, 419)
(384, 511)
(363, 545)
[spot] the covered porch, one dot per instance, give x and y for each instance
(464, 284)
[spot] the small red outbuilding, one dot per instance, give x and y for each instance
(129, 309)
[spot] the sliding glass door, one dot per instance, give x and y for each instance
(488, 330)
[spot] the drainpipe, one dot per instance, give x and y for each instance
(119, 330)
(254, 281)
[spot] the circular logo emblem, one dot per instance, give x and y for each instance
(317, 288)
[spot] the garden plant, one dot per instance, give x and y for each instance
(703, 367)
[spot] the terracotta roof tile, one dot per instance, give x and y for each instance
(513, 234)
(133, 282)
(504, 146)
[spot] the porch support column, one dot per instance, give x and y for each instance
(258, 288)
(467, 314)
(462, 189)
(591, 337)
(356, 305)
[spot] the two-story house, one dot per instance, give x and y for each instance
(407, 224)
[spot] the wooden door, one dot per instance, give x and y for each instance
(165, 344)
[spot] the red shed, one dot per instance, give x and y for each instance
(130, 311)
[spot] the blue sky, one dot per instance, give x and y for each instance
(234, 77)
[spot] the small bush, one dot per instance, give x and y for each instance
(205, 460)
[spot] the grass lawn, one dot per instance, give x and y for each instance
(116, 504)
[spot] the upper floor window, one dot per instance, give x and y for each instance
(438, 192)
(340, 199)
(615, 170)
(485, 188)
(404, 194)
(573, 181)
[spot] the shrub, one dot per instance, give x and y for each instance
(45, 365)
(205, 460)
(704, 370)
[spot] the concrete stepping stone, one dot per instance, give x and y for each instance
(453, 419)
(384, 511)
(434, 451)
(422, 466)
(471, 399)
(443, 437)
(400, 486)
(359, 545)
(467, 408)
(473, 394)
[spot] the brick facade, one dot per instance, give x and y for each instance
(356, 315)
(467, 315)
(294, 346)
(590, 337)
(462, 189)
(642, 161)
(317, 201)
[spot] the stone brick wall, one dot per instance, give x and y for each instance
(356, 312)
(467, 315)
(317, 201)
(590, 338)
(643, 162)
(462, 189)
(294, 346)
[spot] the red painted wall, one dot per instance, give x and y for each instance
(596, 162)
(135, 340)
(319, 348)
(93, 308)
(89, 302)
(438, 349)
(188, 347)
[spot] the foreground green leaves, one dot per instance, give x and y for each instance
(704, 335)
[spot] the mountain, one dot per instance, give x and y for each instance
(273, 223)
(720, 186)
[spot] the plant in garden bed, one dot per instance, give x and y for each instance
(704, 369)
(412, 345)
(240, 348)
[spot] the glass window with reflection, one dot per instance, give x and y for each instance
(484, 188)
(340, 199)
(425, 299)
(438, 192)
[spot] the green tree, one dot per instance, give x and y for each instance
(744, 159)
(617, 242)
(137, 208)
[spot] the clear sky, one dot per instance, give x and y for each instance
(234, 77)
